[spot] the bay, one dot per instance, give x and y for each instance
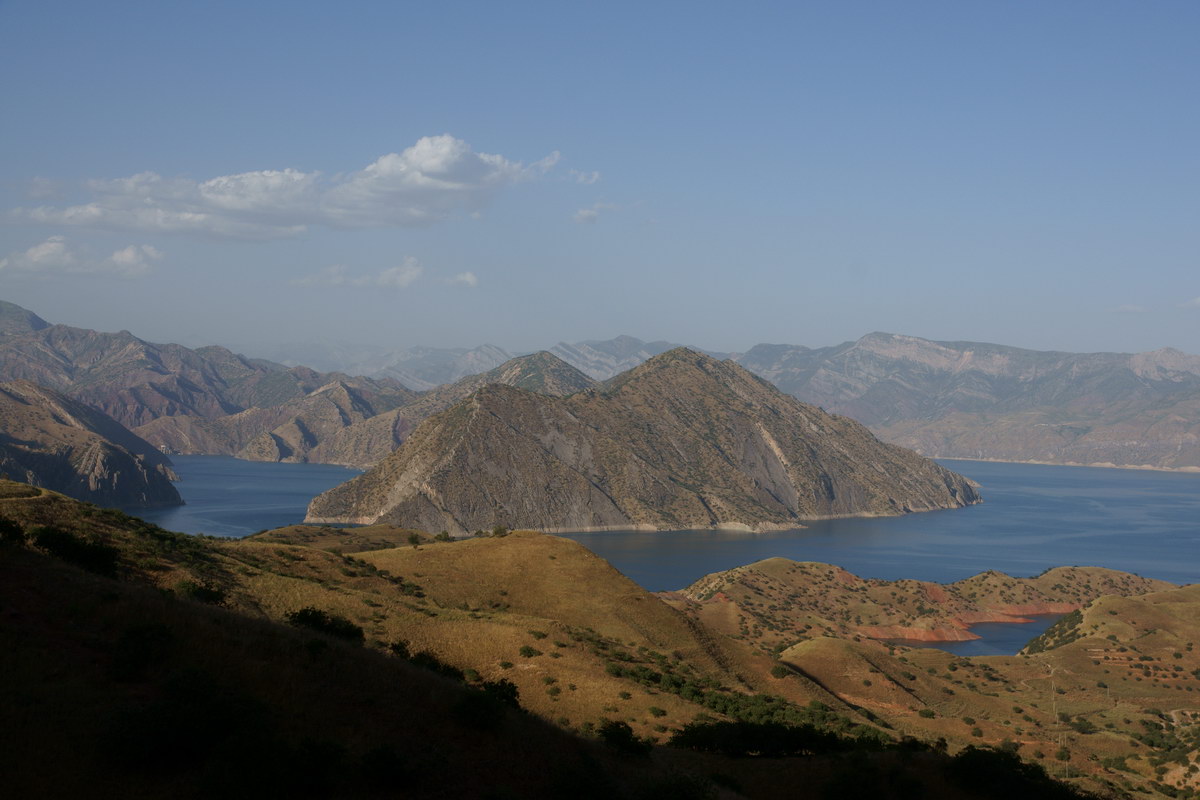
(1033, 517)
(226, 496)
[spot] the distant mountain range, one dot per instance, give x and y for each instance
(987, 401)
(681, 441)
(942, 399)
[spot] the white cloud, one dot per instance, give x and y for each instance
(1193, 303)
(397, 277)
(134, 260)
(587, 216)
(587, 178)
(467, 279)
(401, 276)
(430, 181)
(57, 256)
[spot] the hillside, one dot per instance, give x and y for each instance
(173, 646)
(781, 601)
(975, 400)
(683, 441)
(366, 443)
(135, 381)
(289, 431)
(48, 439)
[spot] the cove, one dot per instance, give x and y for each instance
(227, 496)
(996, 638)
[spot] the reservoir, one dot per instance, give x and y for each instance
(1033, 517)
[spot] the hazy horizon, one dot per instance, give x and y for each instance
(462, 174)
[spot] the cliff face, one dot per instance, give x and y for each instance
(369, 441)
(48, 439)
(682, 441)
(976, 400)
(136, 382)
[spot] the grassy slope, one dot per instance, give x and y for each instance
(474, 604)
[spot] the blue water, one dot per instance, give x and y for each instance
(1033, 518)
(229, 497)
(998, 638)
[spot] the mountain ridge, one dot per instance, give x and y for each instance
(681, 441)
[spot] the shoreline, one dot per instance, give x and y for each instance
(1095, 464)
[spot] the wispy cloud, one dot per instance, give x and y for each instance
(587, 178)
(398, 277)
(588, 216)
(430, 181)
(467, 279)
(1193, 303)
(57, 256)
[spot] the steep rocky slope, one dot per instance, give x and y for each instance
(682, 441)
(975, 400)
(366, 443)
(135, 381)
(48, 439)
(289, 431)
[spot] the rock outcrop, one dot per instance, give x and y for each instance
(366, 443)
(49, 440)
(683, 441)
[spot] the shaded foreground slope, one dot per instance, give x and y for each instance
(50, 440)
(683, 441)
(143, 686)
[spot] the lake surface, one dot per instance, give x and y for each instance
(229, 497)
(997, 638)
(1033, 517)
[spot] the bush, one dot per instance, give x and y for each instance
(11, 532)
(528, 652)
(620, 737)
(927, 713)
(655, 711)
(329, 624)
(92, 556)
(768, 739)
(780, 671)
(201, 592)
(503, 690)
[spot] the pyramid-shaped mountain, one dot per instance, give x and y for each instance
(682, 441)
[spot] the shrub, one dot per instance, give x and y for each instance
(927, 713)
(201, 592)
(503, 690)
(11, 532)
(92, 556)
(528, 652)
(655, 711)
(620, 737)
(780, 671)
(765, 739)
(330, 624)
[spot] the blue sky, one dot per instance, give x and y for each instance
(718, 174)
